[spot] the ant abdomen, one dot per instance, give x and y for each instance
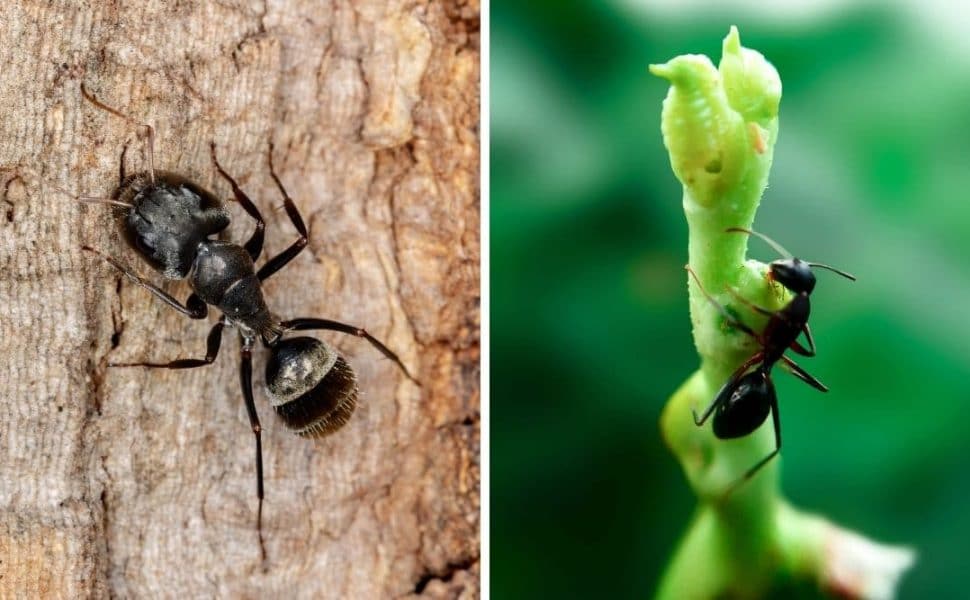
(746, 408)
(312, 388)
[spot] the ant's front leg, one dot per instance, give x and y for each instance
(727, 315)
(758, 309)
(194, 307)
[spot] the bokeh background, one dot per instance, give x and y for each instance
(589, 325)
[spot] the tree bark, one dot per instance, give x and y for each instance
(139, 482)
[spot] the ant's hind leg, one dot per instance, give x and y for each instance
(280, 260)
(255, 244)
(726, 389)
(194, 307)
(246, 380)
(776, 420)
(327, 324)
(213, 342)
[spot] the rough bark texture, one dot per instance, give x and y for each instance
(141, 483)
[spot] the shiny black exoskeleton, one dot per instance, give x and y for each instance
(793, 273)
(743, 403)
(170, 218)
(169, 221)
(746, 408)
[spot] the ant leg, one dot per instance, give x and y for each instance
(730, 318)
(148, 128)
(776, 420)
(194, 308)
(725, 390)
(301, 324)
(255, 244)
(811, 343)
(121, 165)
(750, 304)
(799, 372)
(213, 342)
(246, 380)
(279, 261)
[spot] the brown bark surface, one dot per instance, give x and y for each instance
(134, 482)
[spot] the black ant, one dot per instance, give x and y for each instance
(743, 403)
(168, 220)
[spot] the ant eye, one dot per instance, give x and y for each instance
(143, 246)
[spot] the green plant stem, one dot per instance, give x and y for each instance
(720, 126)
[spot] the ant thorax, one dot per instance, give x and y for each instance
(269, 331)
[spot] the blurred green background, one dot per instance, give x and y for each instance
(589, 325)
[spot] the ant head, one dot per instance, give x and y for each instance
(168, 219)
(793, 273)
(312, 388)
(746, 408)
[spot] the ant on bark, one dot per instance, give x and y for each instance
(169, 221)
(743, 403)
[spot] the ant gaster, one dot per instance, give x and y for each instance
(168, 220)
(743, 403)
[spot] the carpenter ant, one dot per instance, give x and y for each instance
(793, 274)
(743, 403)
(169, 221)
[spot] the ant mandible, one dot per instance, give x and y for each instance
(168, 220)
(743, 403)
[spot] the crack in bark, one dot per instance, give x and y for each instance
(104, 522)
(445, 575)
(408, 148)
(6, 194)
(118, 325)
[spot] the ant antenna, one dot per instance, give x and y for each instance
(834, 270)
(151, 130)
(92, 199)
(781, 250)
(778, 247)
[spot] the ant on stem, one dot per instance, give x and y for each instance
(743, 403)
